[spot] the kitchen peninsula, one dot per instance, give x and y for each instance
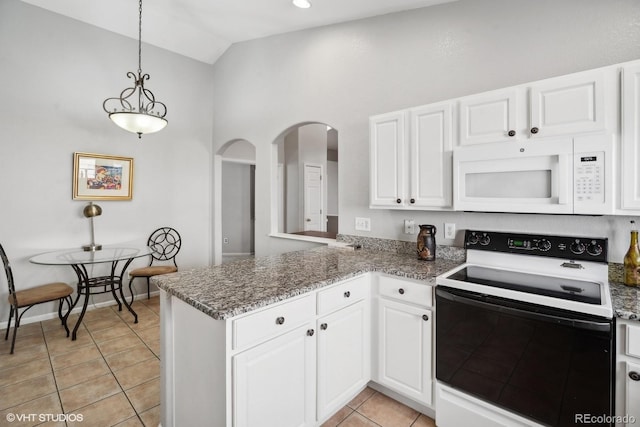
(289, 339)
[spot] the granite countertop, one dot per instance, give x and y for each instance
(227, 290)
(625, 300)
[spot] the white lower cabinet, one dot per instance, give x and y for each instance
(343, 356)
(296, 362)
(275, 382)
(405, 349)
(627, 372)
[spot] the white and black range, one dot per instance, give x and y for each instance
(525, 333)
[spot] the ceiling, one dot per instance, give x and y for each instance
(204, 29)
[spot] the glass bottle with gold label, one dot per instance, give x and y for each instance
(632, 259)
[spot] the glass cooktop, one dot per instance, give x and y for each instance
(557, 287)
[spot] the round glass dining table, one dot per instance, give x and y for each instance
(120, 257)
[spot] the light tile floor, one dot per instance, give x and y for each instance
(111, 376)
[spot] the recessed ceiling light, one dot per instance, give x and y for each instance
(302, 4)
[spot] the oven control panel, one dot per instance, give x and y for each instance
(569, 247)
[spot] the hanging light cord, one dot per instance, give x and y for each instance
(140, 38)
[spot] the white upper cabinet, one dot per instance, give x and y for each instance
(562, 106)
(488, 117)
(630, 137)
(568, 105)
(387, 159)
(430, 156)
(411, 165)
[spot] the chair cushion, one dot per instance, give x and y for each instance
(154, 270)
(42, 293)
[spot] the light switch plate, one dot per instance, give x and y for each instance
(363, 224)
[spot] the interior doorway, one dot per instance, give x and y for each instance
(234, 202)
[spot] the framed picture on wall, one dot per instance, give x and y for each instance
(102, 177)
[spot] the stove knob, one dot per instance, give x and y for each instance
(543, 245)
(577, 247)
(485, 240)
(473, 239)
(594, 249)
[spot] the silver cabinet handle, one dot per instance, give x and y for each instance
(310, 332)
(425, 317)
(324, 326)
(634, 376)
(280, 320)
(401, 291)
(347, 294)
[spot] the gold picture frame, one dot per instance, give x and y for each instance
(102, 177)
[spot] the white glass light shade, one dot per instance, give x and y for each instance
(302, 4)
(137, 122)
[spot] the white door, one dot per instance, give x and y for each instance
(387, 162)
(313, 198)
(274, 383)
(404, 349)
(567, 105)
(488, 117)
(343, 357)
(630, 137)
(431, 156)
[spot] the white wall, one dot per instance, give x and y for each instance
(342, 74)
(55, 73)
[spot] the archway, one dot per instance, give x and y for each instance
(305, 188)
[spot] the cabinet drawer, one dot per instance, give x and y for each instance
(272, 321)
(404, 290)
(343, 294)
(633, 340)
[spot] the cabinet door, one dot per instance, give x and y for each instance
(632, 392)
(630, 137)
(387, 158)
(488, 117)
(404, 349)
(274, 383)
(430, 158)
(567, 105)
(343, 357)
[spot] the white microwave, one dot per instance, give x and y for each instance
(558, 176)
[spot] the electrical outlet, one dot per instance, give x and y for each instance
(409, 226)
(363, 224)
(225, 240)
(449, 230)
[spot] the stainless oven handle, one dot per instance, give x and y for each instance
(592, 325)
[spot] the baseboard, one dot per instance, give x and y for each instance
(78, 309)
(238, 254)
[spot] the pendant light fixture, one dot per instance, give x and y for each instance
(136, 109)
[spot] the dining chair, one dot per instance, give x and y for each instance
(165, 244)
(27, 298)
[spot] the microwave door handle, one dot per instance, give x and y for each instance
(563, 178)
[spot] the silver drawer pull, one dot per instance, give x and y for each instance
(401, 291)
(279, 320)
(324, 326)
(310, 332)
(347, 294)
(634, 376)
(425, 317)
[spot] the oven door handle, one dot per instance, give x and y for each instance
(591, 325)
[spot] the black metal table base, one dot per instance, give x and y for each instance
(100, 285)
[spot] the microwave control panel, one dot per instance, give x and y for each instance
(588, 177)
